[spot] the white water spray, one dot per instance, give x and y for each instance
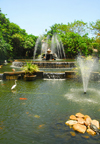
(56, 46)
(86, 66)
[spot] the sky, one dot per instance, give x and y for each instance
(37, 15)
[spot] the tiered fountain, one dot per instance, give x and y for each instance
(49, 49)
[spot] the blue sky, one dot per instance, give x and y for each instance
(37, 15)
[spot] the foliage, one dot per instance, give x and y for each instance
(75, 44)
(30, 68)
(15, 40)
(16, 43)
(96, 29)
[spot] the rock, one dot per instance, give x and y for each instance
(81, 120)
(91, 132)
(88, 121)
(72, 117)
(70, 122)
(79, 115)
(86, 116)
(80, 128)
(82, 123)
(96, 123)
(72, 133)
(94, 128)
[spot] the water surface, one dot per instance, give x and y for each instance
(41, 118)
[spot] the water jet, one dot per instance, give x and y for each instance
(86, 65)
(50, 48)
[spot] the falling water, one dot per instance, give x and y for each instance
(56, 46)
(36, 46)
(86, 66)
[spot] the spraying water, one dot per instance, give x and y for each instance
(53, 43)
(86, 66)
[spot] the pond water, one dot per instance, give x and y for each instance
(8, 68)
(40, 119)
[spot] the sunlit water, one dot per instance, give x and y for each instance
(41, 118)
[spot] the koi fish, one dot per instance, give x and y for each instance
(41, 125)
(23, 98)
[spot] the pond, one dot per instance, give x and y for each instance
(41, 117)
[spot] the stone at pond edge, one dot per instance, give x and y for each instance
(72, 117)
(80, 128)
(79, 115)
(70, 122)
(96, 123)
(91, 132)
(88, 121)
(87, 116)
(81, 121)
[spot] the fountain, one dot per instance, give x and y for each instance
(86, 66)
(49, 48)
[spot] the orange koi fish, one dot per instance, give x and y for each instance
(23, 98)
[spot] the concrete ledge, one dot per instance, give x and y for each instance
(95, 76)
(70, 74)
(19, 75)
(39, 74)
(13, 75)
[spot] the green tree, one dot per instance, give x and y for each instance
(29, 45)
(96, 29)
(17, 43)
(75, 44)
(5, 48)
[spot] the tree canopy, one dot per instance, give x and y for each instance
(16, 43)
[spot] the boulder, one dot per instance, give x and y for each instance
(70, 122)
(91, 132)
(79, 115)
(88, 121)
(72, 117)
(80, 128)
(81, 120)
(86, 116)
(96, 123)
